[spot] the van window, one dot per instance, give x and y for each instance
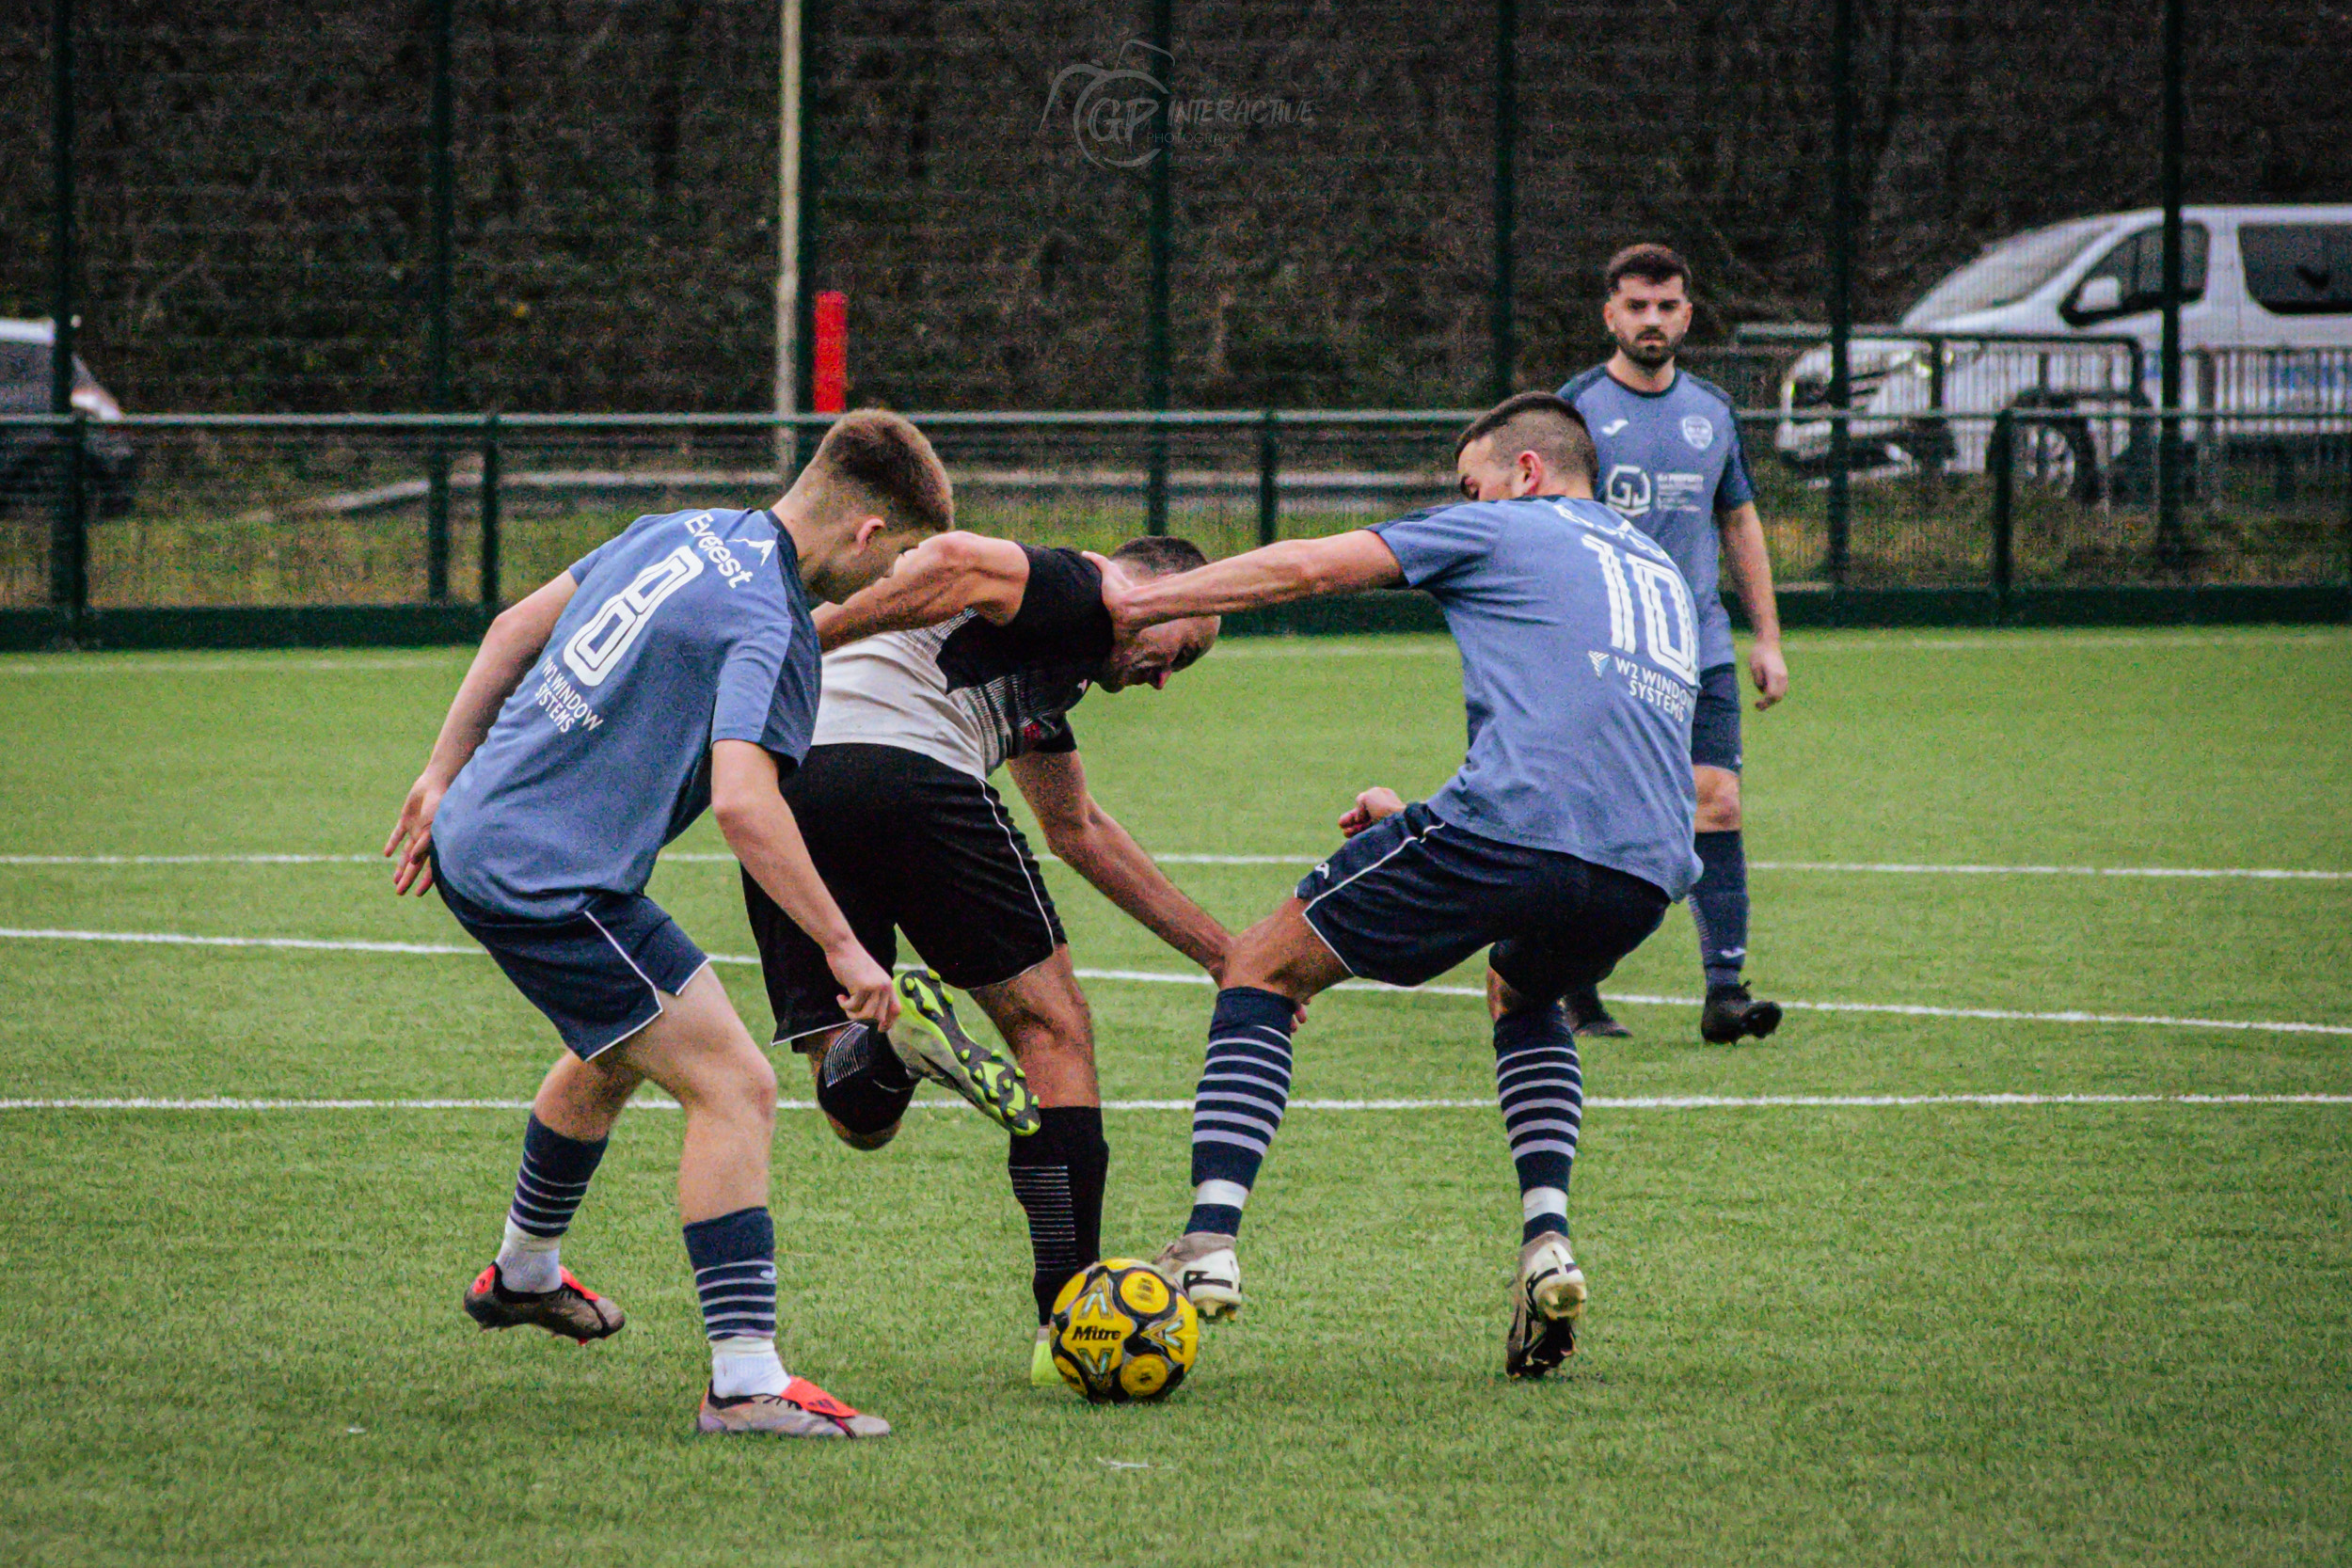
(2006, 272)
(2138, 266)
(2298, 269)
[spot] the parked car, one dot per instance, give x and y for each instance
(29, 454)
(2069, 318)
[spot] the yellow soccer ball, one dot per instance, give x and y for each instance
(1121, 1334)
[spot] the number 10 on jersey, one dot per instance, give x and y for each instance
(1673, 633)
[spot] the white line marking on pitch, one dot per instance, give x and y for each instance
(1875, 868)
(1154, 976)
(1642, 1102)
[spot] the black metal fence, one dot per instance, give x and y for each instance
(2026, 514)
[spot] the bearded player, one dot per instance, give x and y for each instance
(1559, 843)
(968, 658)
(1669, 461)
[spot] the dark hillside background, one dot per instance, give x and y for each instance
(253, 178)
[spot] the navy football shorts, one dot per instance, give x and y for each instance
(597, 974)
(1715, 726)
(1411, 896)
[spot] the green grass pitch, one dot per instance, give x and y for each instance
(1939, 1333)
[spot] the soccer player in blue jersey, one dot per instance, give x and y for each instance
(1559, 843)
(1670, 464)
(672, 669)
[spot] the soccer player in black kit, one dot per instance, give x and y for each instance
(969, 656)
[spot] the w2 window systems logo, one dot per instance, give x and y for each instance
(1115, 109)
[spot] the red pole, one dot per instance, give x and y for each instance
(831, 390)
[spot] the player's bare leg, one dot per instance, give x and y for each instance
(1275, 968)
(527, 1284)
(699, 1051)
(1719, 907)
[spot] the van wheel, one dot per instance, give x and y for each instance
(2058, 457)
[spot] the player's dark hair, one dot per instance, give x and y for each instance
(1541, 422)
(1649, 261)
(888, 466)
(1159, 555)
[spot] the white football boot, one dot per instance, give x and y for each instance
(1545, 1305)
(1202, 1265)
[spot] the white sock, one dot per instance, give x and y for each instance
(532, 1264)
(1543, 1200)
(742, 1366)
(1223, 1194)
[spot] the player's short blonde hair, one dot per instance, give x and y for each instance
(879, 462)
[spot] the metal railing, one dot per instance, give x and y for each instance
(370, 511)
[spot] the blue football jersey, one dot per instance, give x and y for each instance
(1670, 462)
(1580, 673)
(687, 629)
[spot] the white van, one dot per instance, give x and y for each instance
(2068, 318)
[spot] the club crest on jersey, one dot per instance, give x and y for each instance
(1698, 430)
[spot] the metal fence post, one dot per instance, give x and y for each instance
(490, 597)
(1841, 248)
(441, 202)
(2002, 458)
(68, 539)
(1162, 177)
(2168, 540)
(68, 525)
(1269, 493)
(1501, 327)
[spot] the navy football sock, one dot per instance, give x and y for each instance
(735, 1274)
(1245, 1085)
(548, 1191)
(1541, 1087)
(1058, 1174)
(1719, 907)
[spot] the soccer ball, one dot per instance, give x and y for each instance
(1122, 1334)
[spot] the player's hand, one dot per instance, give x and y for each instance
(1769, 670)
(1370, 807)
(870, 999)
(1117, 598)
(412, 836)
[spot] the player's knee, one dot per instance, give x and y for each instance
(736, 1083)
(870, 1140)
(1718, 801)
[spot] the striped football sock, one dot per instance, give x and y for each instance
(1245, 1085)
(735, 1275)
(554, 1178)
(1541, 1087)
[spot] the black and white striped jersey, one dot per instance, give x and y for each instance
(971, 695)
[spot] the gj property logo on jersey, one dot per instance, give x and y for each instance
(1113, 111)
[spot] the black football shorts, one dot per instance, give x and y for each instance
(906, 844)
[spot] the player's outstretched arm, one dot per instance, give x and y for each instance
(1090, 842)
(1276, 573)
(1742, 533)
(747, 802)
(944, 575)
(514, 641)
